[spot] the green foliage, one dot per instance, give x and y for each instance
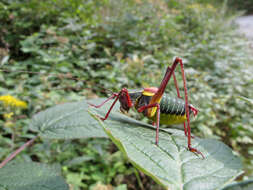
(31, 176)
(66, 121)
(84, 162)
(246, 5)
(95, 164)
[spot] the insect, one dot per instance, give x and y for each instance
(157, 105)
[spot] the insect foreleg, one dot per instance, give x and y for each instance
(100, 105)
(122, 94)
(141, 109)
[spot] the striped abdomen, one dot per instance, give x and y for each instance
(172, 110)
(172, 106)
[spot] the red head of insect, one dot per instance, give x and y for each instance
(125, 100)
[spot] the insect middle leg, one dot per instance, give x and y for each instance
(157, 105)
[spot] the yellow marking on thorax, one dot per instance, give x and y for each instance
(147, 93)
(151, 111)
(154, 109)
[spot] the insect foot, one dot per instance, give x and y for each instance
(195, 151)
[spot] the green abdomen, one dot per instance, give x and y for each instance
(172, 110)
(172, 106)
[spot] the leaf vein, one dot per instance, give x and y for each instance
(159, 166)
(63, 116)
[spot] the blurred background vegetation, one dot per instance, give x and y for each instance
(81, 47)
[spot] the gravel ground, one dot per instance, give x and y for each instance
(246, 27)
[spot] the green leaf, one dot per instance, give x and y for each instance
(31, 176)
(66, 121)
(244, 185)
(246, 99)
(121, 187)
(170, 163)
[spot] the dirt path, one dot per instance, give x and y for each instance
(246, 26)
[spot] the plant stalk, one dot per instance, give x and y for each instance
(14, 154)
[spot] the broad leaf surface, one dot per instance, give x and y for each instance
(67, 121)
(170, 163)
(31, 176)
(244, 185)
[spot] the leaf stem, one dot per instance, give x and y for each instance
(138, 179)
(14, 154)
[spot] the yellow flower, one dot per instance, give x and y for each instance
(9, 100)
(195, 6)
(8, 115)
(210, 7)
